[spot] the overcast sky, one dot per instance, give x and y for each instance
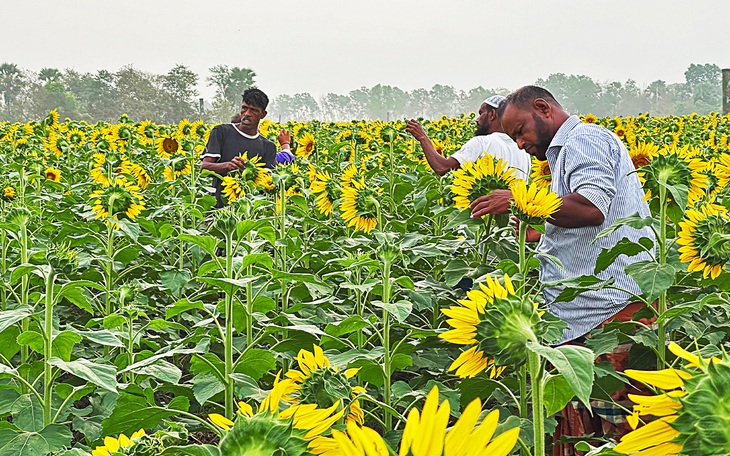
(338, 45)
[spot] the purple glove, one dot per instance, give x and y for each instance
(284, 156)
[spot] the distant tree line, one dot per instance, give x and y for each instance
(171, 97)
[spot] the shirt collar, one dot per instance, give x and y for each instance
(561, 136)
(244, 134)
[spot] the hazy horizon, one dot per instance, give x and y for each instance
(333, 46)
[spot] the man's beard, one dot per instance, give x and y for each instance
(543, 134)
(482, 129)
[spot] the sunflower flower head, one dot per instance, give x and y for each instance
(705, 239)
(18, 215)
(465, 320)
(178, 166)
(533, 204)
(53, 174)
(306, 146)
(643, 154)
(51, 119)
(540, 173)
(590, 118)
(254, 174)
(318, 382)
(692, 414)
(360, 205)
(425, 432)
(475, 179)
(62, 258)
(327, 189)
(357, 441)
(8, 193)
(722, 170)
(678, 167)
(292, 431)
(120, 199)
(166, 146)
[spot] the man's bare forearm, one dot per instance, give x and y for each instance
(436, 161)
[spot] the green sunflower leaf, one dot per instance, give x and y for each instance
(634, 221)
(102, 375)
(575, 363)
(556, 394)
(622, 247)
(50, 439)
(652, 278)
(134, 411)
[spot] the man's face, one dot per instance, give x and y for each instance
(528, 128)
(251, 115)
(482, 120)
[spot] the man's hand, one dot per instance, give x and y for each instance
(532, 235)
(236, 163)
(284, 138)
(416, 130)
(496, 202)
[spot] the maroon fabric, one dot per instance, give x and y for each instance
(577, 421)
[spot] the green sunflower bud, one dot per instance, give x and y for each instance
(19, 215)
(62, 258)
(225, 220)
(388, 134)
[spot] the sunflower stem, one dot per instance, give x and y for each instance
(386, 344)
(538, 418)
(130, 347)
(48, 348)
(522, 377)
(390, 168)
(359, 308)
(3, 265)
(24, 299)
(282, 258)
(108, 272)
(522, 241)
(181, 243)
(487, 231)
(662, 305)
(228, 337)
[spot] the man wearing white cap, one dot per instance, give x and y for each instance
(488, 138)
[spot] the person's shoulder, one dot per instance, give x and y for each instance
(223, 128)
(265, 140)
(589, 129)
(266, 143)
(482, 139)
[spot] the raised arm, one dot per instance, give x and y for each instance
(440, 165)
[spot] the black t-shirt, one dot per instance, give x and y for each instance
(226, 141)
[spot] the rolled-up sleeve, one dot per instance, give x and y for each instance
(589, 169)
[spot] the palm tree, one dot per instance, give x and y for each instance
(11, 81)
(49, 75)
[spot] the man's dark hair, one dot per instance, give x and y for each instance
(525, 96)
(255, 97)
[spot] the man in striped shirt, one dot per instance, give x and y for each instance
(593, 175)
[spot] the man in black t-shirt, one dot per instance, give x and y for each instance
(228, 142)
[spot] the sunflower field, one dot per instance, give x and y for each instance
(343, 304)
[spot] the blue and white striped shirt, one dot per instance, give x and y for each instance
(592, 161)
